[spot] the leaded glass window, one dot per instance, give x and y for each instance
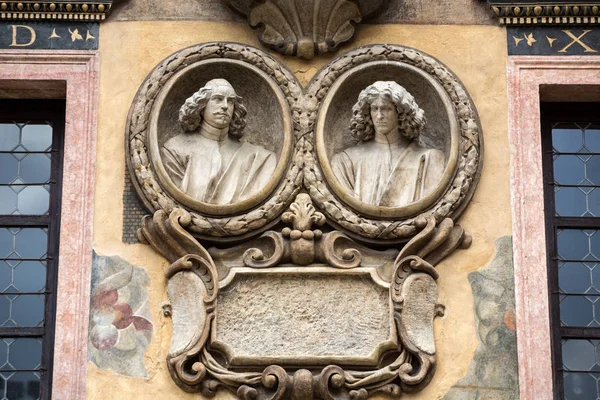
(31, 133)
(571, 146)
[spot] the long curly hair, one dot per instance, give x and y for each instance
(411, 118)
(191, 112)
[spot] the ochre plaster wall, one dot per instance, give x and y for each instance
(476, 54)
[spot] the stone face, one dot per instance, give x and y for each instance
(493, 373)
(388, 166)
(213, 120)
(287, 316)
(120, 327)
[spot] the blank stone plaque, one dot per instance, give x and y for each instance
(272, 317)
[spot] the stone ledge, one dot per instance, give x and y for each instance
(54, 10)
(549, 12)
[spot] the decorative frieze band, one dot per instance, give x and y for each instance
(546, 13)
(54, 10)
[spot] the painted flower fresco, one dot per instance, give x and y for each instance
(120, 326)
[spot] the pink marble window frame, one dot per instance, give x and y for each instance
(79, 70)
(529, 79)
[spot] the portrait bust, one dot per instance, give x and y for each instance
(209, 162)
(388, 167)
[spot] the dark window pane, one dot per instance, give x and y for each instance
(7, 242)
(5, 304)
(36, 137)
(573, 244)
(23, 386)
(580, 355)
(25, 354)
(592, 140)
(570, 202)
(35, 168)
(9, 137)
(26, 184)
(595, 244)
(20, 354)
(25, 310)
(592, 170)
(575, 278)
(8, 200)
(594, 202)
(4, 354)
(581, 386)
(5, 275)
(31, 243)
(9, 168)
(595, 276)
(29, 276)
(577, 310)
(569, 170)
(28, 310)
(33, 200)
(567, 138)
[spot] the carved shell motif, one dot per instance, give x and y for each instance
(305, 28)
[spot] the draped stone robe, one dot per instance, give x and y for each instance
(217, 172)
(388, 174)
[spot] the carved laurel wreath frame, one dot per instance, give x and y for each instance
(304, 170)
(143, 174)
(456, 197)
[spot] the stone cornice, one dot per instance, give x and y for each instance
(54, 10)
(548, 12)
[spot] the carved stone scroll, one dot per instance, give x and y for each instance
(216, 296)
(192, 291)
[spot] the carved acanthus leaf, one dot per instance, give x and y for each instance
(302, 245)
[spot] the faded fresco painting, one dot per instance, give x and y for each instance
(120, 325)
(493, 373)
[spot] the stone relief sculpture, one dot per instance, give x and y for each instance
(262, 296)
(236, 200)
(208, 162)
(388, 167)
(284, 28)
(201, 281)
